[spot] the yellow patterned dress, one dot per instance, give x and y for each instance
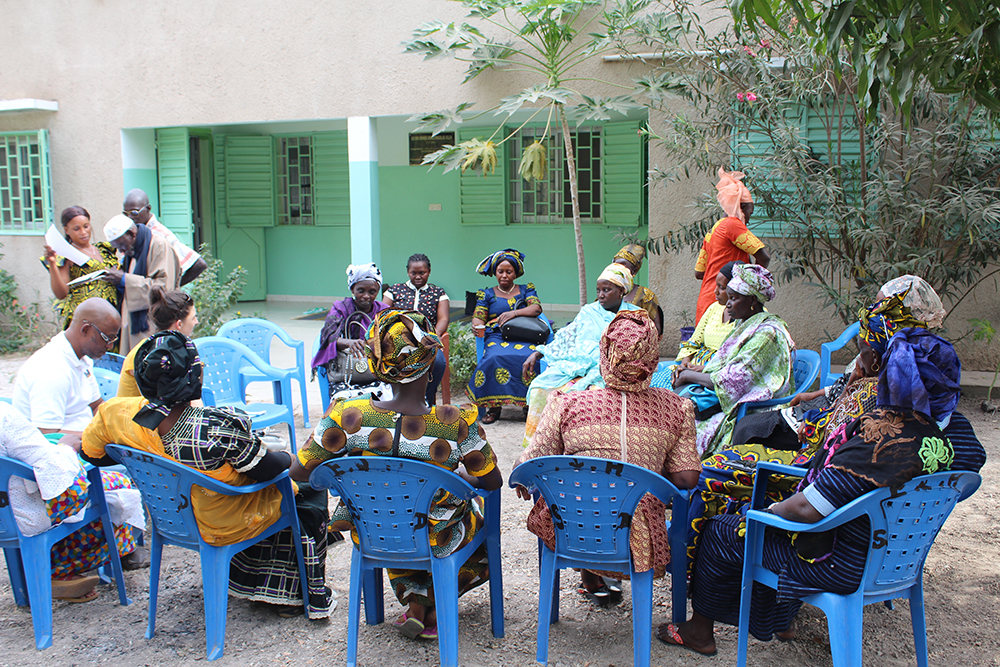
(99, 288)
(447, 436)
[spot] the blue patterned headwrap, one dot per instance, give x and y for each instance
(488, 266)
(921, 372)
(880, 321)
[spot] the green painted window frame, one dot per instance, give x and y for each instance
(486, 200)
(285, 181)
(750, 152)
(173, 175)
(35, 168)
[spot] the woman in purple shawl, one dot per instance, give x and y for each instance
(348, 320)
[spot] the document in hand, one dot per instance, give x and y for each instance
(90, 277)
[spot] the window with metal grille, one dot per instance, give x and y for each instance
(295, 179)
(25, 190)
(549, 201)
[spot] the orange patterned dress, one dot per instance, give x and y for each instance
(660, 436)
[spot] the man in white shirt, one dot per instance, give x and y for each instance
(136, 206)
(55, 388)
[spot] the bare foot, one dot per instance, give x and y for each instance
(687, 636)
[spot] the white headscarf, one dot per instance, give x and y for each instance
(358, 272)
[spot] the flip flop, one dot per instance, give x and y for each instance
(676, 640)
(89, 596)
(74, 589)
(429, 633)
(602, 596)
(289, 610)
(409, 627)
(614, 587)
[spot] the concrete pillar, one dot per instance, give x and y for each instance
(362, 155)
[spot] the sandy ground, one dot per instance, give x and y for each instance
(962, 587)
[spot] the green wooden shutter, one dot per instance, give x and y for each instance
(249, 181)
(173, 170)
(624, 174)
(483, 198)
(331, 179)
(219, 175)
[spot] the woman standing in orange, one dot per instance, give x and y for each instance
(729, 240)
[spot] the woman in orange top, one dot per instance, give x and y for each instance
(729, 240)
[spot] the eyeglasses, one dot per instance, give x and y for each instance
(107, 341)
(134, 213)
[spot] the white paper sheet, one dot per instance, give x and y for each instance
(55, 239)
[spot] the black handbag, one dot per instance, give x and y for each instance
(525, 330)
(346, 368)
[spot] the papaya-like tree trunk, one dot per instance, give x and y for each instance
(574, 194)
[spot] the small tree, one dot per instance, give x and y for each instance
(546, 39)
(856, 200)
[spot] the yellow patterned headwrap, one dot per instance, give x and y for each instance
(634, 253)
(618, 275)
(883, 320)
(401, 346)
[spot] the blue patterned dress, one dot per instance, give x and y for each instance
(497, 379)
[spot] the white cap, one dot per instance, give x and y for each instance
(117, 226)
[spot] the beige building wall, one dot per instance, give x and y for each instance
(114, 65)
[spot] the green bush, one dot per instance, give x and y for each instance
(20, 324)
(462, 351)
(214, 297)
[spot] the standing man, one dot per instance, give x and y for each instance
(148, 260)
(55, 388)
(729, 240)
(137, 208)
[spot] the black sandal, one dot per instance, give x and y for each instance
(492, 415)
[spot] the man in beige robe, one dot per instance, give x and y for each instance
(148, 261)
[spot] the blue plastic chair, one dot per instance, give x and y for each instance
(904, 523)
(804, 371)
(107, 381)
(110, 361)
(592, 501)
(257, 334)
(826, 377)
(29, 559)
(166, 488)
(321, 378)
(223, 359)
(389, 499)
(481, 350)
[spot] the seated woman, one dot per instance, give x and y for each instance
(631, 257)
(754, 363)
(401, 349)
(221, 443)
(573, 356)
(60, 492)
(168, 311)
(918, 388)
(713, 327)
(345, 326)
(496, 381)
(780, 429)
(100, 256)
(658, 435)
(429, 300)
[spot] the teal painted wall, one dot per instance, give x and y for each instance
(144, 179)
(408, 226)
(307, 261)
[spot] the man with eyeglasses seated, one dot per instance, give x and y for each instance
(148, 261)
(55, 388)
(136, 207)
